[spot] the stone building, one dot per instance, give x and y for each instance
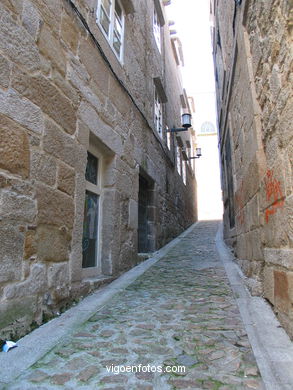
(89, 176)
(253, 63)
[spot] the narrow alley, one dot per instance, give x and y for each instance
(146, 195)
(180, 313)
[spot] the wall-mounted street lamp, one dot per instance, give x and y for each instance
(198, 154)
(186, 123)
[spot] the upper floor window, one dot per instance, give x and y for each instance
(157, 29)
(178, 160)
(158, 117)
(110, 17)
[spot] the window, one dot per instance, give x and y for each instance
(110, 17)
(158, 118)
(184, 172)
(178, 158)
(157, 30)
(91, 212)
(168, 138)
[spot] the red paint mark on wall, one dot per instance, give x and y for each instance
(273, 193)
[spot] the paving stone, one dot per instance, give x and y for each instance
(37, 376)
(177, 313)
(60, 379)
(87, 373)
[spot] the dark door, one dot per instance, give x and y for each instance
(143, 201)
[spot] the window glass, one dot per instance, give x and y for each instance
(184, 172)
(178, 158)
(111, 19)
(158, 115)
(91, 173)
(90, 230)
(106, 4)
(157, 30)
(168, 138)
(105, 22)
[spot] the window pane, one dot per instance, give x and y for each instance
(118, 10)
(116, 43)
(90, 230)
(107, 6)
(105, 21)
(118, 27)
(91, 173)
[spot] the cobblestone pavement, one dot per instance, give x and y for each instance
(181, 312)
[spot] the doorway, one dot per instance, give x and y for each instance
(146, 215)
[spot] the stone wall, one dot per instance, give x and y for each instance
(63, 91)
(255, 117)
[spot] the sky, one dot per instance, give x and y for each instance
(192, 24)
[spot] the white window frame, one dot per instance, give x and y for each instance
(184, 174)
(178, 160)
(157, 30)
(158, 114)
(168, 137)
(112, 17)
(98, 190)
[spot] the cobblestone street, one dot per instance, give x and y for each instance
(180, 312)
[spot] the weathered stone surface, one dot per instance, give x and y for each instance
(51, 48)
(52, 243)
(17, 44)
(54, 207)
(281, 294)
(43, 93)
(66, 179)
(281, 257)
(94, 64)
(69, 31)
(43, 168)
(110, 138)
(15, 315)
(14, 147)
(64, 147)
(21, 110)
(62, 83)
(4, 72)
(30, 246)
(30, 18)
(17, 208)
(58, 281)
(11, 252)
(133, 214)
(269, 283)
(35, 283)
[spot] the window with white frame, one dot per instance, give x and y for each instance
(168, 138)
(110, 17)
(90, 239)
(184, 172)
(157, 29)
(158, 116)
(178, 160)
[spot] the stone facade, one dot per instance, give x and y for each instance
(253, 63)
(65, 92)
